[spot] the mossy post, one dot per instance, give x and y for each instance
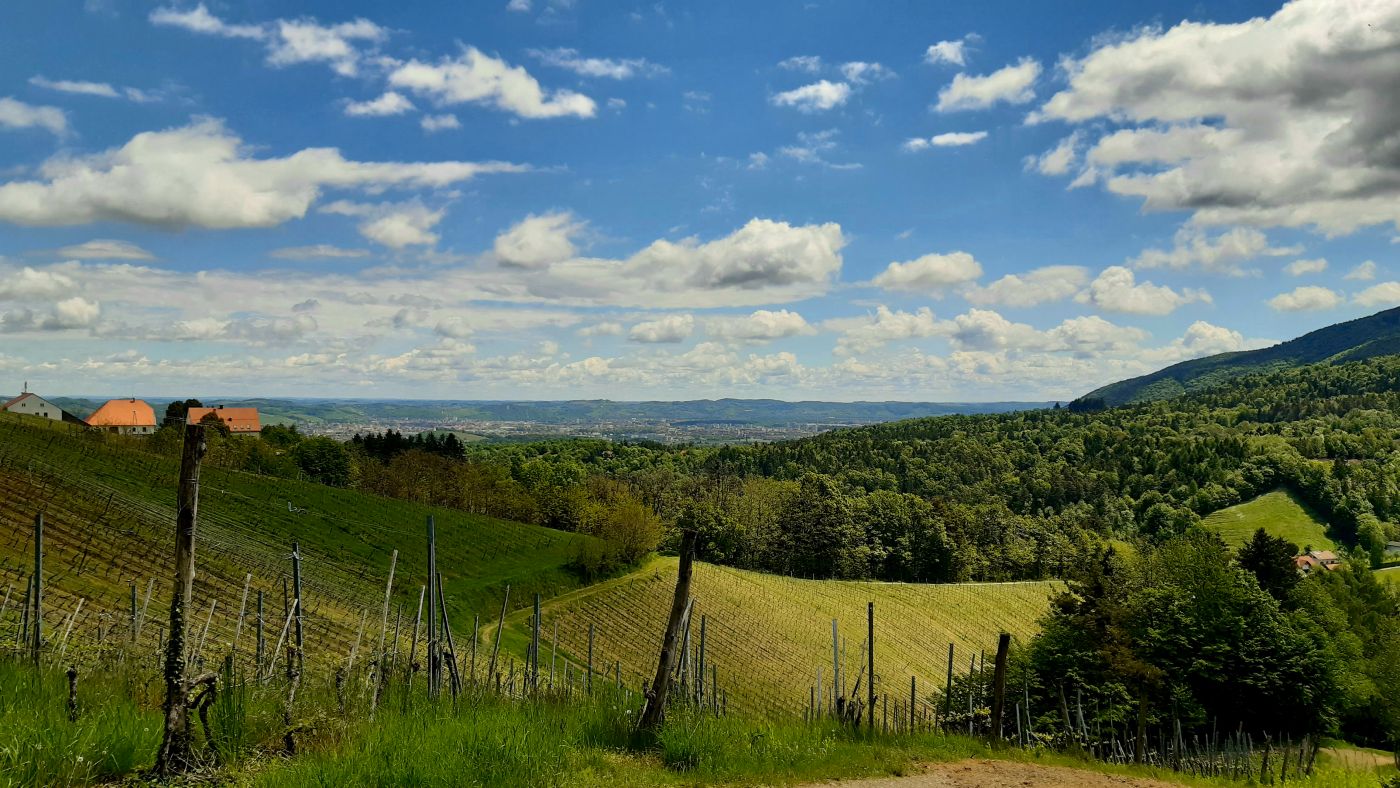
(656, 699)
(174, 755)
(38, 586)
(999, 685)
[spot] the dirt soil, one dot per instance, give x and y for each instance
(1004, 774)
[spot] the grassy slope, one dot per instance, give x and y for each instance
(109, 520)
(768, 634)
(1279, 512)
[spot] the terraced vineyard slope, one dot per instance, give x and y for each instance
(109, 522)
(1280, 513)
(767, 634)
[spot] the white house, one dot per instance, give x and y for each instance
(31, 404)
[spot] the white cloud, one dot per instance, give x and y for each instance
(807, 64)
(1037, 286)
(859, 73)
(31, 284)
(954, 52)
(76, 312)
(1116, 290)
(1224, 254)
(434, 123)
(607, 328)
(199, 20)
(671, 328)
(1306, 299)
(1011, 85)
(477, 78)
(931, 273)
(539, 241)
(518, 6)
(1385, 294)
(76, 87)
(1286, 120)
(18, 115)
(393, 225)
(1059, 159)
(288, 41)
(390, 103)
(761, 326)
(816, 97)
(601, 67)
(105, 249)
(317, 252)
(202, 175)
(1302, 267)
(812, 147)
(1363, 272)
(951, 139)
(862, 334)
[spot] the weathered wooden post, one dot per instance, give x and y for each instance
(262, 640)
(535, 648)
(242, 612)
(496, 647)
(38, 586)
(870, 656)
(590, 659)
(384, 621)
(432, 609)
(913, 700)
(655, 708)
(999, 685)
(948, 690)
(133, 612)
(297, 608)
(174, 754)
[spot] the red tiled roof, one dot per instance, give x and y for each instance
(243, 420)
(123, 413)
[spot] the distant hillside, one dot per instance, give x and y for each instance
(1354, 340)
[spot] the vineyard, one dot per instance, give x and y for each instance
(108, 511)
(767, 635)
(1280, 513)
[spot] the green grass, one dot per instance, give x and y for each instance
(109, 515)
(1280, 513)
(767, 635)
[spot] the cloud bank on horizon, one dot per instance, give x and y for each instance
(575, 199)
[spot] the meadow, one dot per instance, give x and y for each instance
(767, 635)
(1280, 513)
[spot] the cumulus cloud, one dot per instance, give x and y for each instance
(477, 78)
(954, 52)
(434, 123)
(1037, 286)
(862, 334)
(1223, 254)
(762, 325)
(1059, 159)
(539, 241)
(932, 273)
(671, 328)
(395, 225)
(1363, 272)
(951, 139)
(607, 328)
(816, 97)
(1011, 85)
(600, 67)
(105, 249)
(1286, 120)
(807, 64)
(1306, 299)
(859, 72)
(202, 175)
(1385, 294)
(15, 114)
(287, 41)
(30, 284)
(1116, 290)
(390, 103)
(317, 252)
(1303, 267)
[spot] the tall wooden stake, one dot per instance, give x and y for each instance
(948, 690)
(38, 586)
(535, 648)
(590, 659)
(174, 754)
(297, 608)
(870, 664)
(999, 685)
(262, 642)
(384, 620)
(656, 698)
(500, 625)
(432, 609)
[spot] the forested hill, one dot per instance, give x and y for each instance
(1012, 496)
(1353, 340)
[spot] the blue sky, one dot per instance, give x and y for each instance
(833, 200)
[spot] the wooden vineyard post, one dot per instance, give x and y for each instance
(496, 647)
(948, 690)
(133, 612)
(384, 622)
(456, 680)
(590, 659)
(242, 612)
(870, 656)
(38, 586)
(999, 685)
(296, 606)
(262, 640)
(535, 648)
(835, 666)
(655, 708)
(174, 754)
(700, 670)
(432, 608)
(553, 652)
(913, 700)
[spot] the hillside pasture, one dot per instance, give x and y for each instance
(767, 634)
(1280, 513)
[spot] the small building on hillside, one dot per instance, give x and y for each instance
(240, 421)
(1313, 560)
(125, 417)
(30, 404)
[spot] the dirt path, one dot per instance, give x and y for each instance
(1004, 774)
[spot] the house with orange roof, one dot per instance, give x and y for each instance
(240, 421)
(125, 417)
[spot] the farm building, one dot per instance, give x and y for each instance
(240, 421)
(1313, 560)
(124, 416)
(31, 404)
